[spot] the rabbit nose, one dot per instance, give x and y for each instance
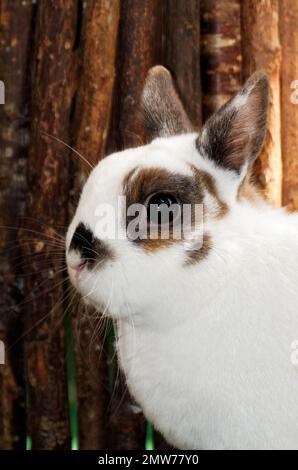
(83, 243)
(85, 249)
(75, 262)
(77, 266)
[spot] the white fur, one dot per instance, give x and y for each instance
(206, 348)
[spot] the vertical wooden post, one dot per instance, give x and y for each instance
(261, 51)
(48, 186)
(288, 20)
(15, 27)
(97, 77)
(139, 48)
(182, 52)
(221, 52)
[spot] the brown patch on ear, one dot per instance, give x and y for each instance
(199, 254)
(209, 185)
(163, 110)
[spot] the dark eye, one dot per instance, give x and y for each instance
(161, 207)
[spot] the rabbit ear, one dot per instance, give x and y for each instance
(233, 137)
(163, 111)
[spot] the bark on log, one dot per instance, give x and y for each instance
(127, 426)
(15, 30)
(182, 52)
(139, 48)
(289, 100)
(47, 206)
(91, 372)
(97, 76)
(221, 52)
(261, 51)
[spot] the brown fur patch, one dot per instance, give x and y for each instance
(138, 185)
(127, 180)
(196, 255)
(209, 184)
(248, 190)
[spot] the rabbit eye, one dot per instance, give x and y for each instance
(161, 207)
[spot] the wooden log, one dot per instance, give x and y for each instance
(127, 426)
(261, 51)
(92, 378)
(97, 76)
(15, 29)
(139, 48)
(288, 20)
(221, 52)
(48, 188)
(182, 53)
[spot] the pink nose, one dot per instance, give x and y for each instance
(78, 267)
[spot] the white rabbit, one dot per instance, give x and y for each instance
(206, 334)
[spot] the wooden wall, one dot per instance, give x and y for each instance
(73, 72)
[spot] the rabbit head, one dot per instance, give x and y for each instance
(113, 259)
